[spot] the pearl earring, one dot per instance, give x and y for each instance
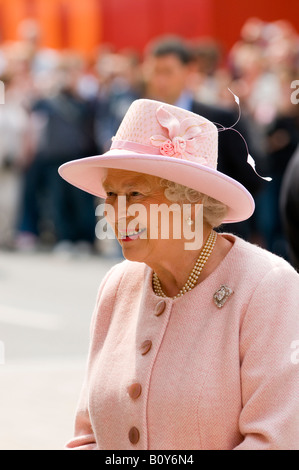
(189, 221)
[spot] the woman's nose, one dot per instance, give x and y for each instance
(121, 207)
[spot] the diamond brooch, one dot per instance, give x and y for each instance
(221, 295)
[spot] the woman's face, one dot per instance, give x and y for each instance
(145, 222)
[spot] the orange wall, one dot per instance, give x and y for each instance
(73, 24)
(84, 24)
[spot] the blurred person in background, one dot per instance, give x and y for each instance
(282, 134)
(63, 123)
(211, 78)
(263, 65)
(255, 84)
(42, 60)
(167, 70)
(13, 152)
(282, 138)
(289, 207)
(119, 77)
(18, 91)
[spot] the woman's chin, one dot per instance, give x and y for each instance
(133, 250)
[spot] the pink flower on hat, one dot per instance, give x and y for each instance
(182, 136)
(166, 148)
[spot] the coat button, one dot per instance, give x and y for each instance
(134, 435)
(146, 346)
(135, 390)
(160, 307)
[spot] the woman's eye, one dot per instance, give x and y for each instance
(111, 194)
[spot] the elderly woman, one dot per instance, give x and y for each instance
(192, 342)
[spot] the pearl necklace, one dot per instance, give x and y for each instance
(195, 273)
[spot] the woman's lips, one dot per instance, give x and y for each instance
(127, 237)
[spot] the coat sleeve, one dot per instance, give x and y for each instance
(84, 438)
(269, 418)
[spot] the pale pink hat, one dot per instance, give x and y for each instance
(166, 141)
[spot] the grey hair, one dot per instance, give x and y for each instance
(214, 212)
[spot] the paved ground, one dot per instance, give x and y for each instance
(45, 308)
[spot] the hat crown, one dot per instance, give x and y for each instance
(158, 128)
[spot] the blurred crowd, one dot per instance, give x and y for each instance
(59, 106)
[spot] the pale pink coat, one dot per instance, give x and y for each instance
(215, 378)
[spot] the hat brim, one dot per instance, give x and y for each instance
(87, 174)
